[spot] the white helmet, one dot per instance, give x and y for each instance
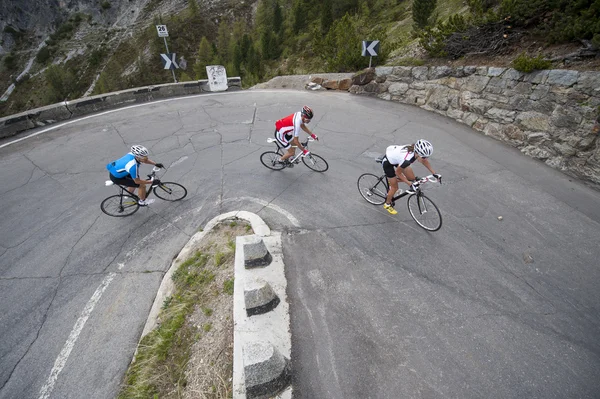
(139, 150)
(423, 148)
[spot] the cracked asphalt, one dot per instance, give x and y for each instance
(379, 307)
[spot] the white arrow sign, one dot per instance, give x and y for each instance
(370, 48)
(169, 61)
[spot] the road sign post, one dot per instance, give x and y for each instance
(370, 48)
(164, 33)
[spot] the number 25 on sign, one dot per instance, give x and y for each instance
(162, 31)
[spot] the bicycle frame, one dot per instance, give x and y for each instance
(404, 193)
(125, 191)
(295, 158)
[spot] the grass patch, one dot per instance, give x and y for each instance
(165, 358)
(228, 286)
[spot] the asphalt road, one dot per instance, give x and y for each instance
(380, 308)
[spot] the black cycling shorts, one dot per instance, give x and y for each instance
(126, 181)
(388, 168)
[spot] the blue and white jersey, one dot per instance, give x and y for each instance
(124, 166)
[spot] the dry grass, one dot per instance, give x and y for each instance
(190, 354)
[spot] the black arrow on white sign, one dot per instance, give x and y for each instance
(370, 48)
(168, 61)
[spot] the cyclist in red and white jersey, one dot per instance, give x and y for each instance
(287, 131)
(396, 165)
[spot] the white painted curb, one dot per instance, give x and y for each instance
(272, 327)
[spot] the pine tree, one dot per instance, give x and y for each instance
(223, 39)
(422, 10)
(326, 16)
(206, 57)
(277, 18)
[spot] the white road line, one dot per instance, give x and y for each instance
(266, 204)
(130, 107)
(62, 358)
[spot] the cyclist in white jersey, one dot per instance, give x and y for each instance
(396, 165)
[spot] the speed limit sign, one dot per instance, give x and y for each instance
(162, 31)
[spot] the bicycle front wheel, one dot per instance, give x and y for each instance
(120, 205)
(424, 212)
(271, 160)
(170, 191)
(372, 188)
(315, 162)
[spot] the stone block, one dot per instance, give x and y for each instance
(494, 71)
(475, 83)
(259, 297)
(402, 72)
(317, 80)
(439, 72)
(533, 121)
(398, 88)
(501, 115)
(478, 106)
(513, 74)
(536, 152)
(514, 133)
(267, 372)
(562, 77)
(539, 92)
(494, 130)
(331, 84)
(564, 149)
(481, 71)
(455, 114)
(524, 88)
(463, 71)
(566, 117)
(364, 77)
(256, 253)
(344, 84)
(536, 77)
(420, 73)
(383, 70)
(589, 83)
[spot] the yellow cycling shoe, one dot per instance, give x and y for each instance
(390, 209)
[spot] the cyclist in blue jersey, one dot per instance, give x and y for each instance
(125, 171)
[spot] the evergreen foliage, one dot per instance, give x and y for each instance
(422, 11)
(527, 64)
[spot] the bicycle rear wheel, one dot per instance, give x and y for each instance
(120, 205)
(169, 191)
(424, 212)
(372, 188)
(315, 162)
(271, 160)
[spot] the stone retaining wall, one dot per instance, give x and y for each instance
(551, 115)
(13, 124)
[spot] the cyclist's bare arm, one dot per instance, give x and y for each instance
(426, 163)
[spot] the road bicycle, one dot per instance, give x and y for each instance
(271, 159)
(374, 189)
(126, 203)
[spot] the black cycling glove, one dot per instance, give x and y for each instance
(159, 165)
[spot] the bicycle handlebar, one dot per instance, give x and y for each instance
(430, 178)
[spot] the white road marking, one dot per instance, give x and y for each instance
(62, 358)
(266, 204)
(130, 107)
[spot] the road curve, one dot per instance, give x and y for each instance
(379, 307)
